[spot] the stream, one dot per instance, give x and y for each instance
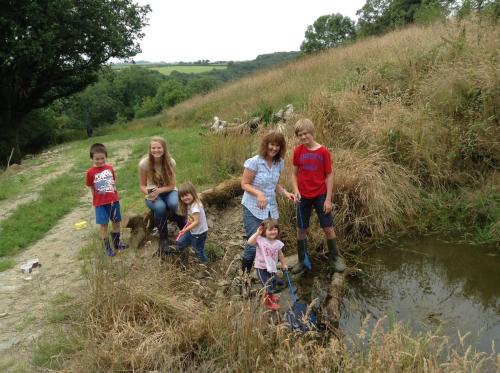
(430, 285)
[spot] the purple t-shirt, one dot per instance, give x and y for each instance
(266, 255)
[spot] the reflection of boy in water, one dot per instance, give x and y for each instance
(101, 180)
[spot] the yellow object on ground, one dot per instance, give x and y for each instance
(80, 225)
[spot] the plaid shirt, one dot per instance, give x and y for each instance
(266, 179)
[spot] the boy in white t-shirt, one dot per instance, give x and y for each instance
(269, 251)
(195, 231)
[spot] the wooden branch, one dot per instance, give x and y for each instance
(10, 157)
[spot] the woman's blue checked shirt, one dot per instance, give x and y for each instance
(266, 179)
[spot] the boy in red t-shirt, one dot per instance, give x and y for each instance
(312, 181)
(101, 180)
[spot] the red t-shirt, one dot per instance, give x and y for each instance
(313, 168)
(102, 181)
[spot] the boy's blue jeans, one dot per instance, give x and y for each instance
(195, 240)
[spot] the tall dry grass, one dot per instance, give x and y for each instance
(155, 317)
(428, 95)
(409, 114)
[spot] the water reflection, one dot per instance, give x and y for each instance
(429, 283)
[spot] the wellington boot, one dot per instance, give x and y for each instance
(117, 243)
(299, 267)
(107, 247)
(269, 303)
(336, 262)
(246, 265)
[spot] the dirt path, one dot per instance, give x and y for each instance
(25, 298)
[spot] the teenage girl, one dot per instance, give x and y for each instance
(157, 182)
(268, 253)
(195, 231)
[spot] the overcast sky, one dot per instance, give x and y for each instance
(224, 30)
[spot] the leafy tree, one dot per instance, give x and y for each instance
(328, 31)
(131, 85)
(53, 48)
(201, 85)
(149, 106)
(171, 92)
(379, 16)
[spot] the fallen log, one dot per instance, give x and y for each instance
(330, 309)
(219, 195)
(142, 224)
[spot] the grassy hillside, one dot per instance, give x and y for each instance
(412, 119)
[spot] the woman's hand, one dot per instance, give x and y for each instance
(153, 194)
(290, 196)
(261, 200)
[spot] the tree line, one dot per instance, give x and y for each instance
(54, 84)
(380, 16)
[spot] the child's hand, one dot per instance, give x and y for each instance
(284, 267)
(260, 230)
(297, 197)
(327, 206)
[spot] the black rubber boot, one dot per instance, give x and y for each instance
(117, 244)
(246, 265)
(299, 267)
(163, 232)
(107, 247)
(336, 262)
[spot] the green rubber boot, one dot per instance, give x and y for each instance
(336, 262)
(299, 267)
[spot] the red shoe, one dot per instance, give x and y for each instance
(275, 298)
(269, 303)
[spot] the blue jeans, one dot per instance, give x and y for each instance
(251, 223)
(160, 206)
(195, 240)
(304, 209)
(267, 279)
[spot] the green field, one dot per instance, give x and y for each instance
(167, 69)
(188, 69)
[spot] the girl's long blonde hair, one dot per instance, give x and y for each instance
(187, 188)
(166, 166)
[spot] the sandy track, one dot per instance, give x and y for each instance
(25, 298)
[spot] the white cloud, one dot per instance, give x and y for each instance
(190, 30)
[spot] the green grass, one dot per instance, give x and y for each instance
(14, 183)
(168, 69)
(6, 264)
(194, 69)
(47, 351)
(30, 222)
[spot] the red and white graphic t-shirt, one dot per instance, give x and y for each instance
(102, 181)
(313, 167)
(266, 255)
